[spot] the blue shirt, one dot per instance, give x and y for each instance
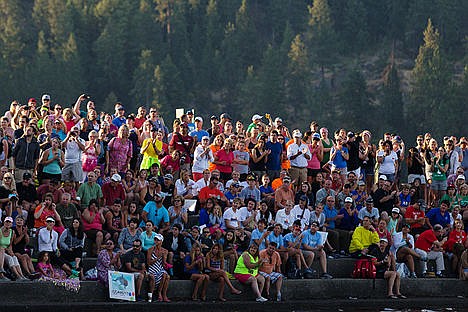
(118, 121)
(200, 134)
(339, 162)
(312, 240)
(154, 214)
(277, 239)
(435, 217)
(348, 223)
(289, 238)
(330, 213)
(256, 234)
(274, 158)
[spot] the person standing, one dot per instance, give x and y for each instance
(25, 155)
(298, 154)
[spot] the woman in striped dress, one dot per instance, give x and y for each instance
(157, 257)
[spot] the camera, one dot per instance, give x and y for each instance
(183, 159)
(87, 96)
(73, 133)
(13, 197)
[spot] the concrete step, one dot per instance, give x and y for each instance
(42, 292)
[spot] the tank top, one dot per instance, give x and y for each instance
(95, 225)
(242, 269)
(257, 166)
(117, 220)
(326, 155)
(148, 196)
(53, 167)
(216, 264)
(5, 240)
(21, 245)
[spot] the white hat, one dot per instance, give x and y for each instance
(198, 118)
(116, 177)
(396, 210)
(278, 119)
(348, 200)
(383, 177)
(297, 134)
(461, 176)
(256, 117)
(46, 97)
(383, 239)
(159, 237)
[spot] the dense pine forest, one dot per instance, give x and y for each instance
(397, 65)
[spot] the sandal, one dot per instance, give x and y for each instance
(401, 296)
(392, 297)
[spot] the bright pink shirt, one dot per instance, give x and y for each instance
(227, 157)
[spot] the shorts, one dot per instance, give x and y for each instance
(343, 171)
(274, 276)
(412, 177)
(316, 253)
(11, 260)
(439, 185)
(51, 176)
(72, 172)
(313, 172)
(243, 278)
(91, 234)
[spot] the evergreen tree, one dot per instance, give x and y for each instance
(355, 34)
(354, 109)
(321, 35)
(430, 84)
(143, 79)
(168, 93)
(392, 100)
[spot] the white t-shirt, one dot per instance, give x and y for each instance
(388, 164)
(244, 213)
(234, 218)
(73, 151)
(285, 220)
(297, 213)
(200, 163)
(184, 190)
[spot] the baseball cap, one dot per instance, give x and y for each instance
(189, 112)
(235, 184)
(225, 115)
(159, 237)
(32, 100)
(45, 97)
(369, 200)
(213, 117)
(461, 176)
(286, 179)
(383, 239)
(50, 219)
(168, 176)
(348, 200)
(316, 135)
(205, 137)
(303, 197)
(315, 223)
(27, 176)
(278, 119)
(198, 118)
(351, 134)
(396, 210)
(405, 225)
(297, 134)
(382, 177)
(8, 219)
(116, 177)
(256, 117)
(250, 177)
(360, 182)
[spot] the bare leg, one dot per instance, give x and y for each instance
(221, 282)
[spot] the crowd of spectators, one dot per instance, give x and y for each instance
(224, 200)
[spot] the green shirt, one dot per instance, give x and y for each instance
(86, 192)
(242, 269)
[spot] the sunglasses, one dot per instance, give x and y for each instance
(136, 246)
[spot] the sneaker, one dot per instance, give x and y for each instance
(413, 275)
(440, 275)
(278, 297)
(261, 299)
(4, 279)
(326, 276)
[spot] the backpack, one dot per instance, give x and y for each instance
(364, 268)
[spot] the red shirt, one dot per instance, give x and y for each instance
(228, 157)
(110, 193)
(412, 213)
(184, 146)
(455, 237)
(425, 240)
(207, 192)
(139, 122)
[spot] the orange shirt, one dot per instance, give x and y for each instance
(272, 261)
(40, 222)
(276, 183)
(214, 149)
